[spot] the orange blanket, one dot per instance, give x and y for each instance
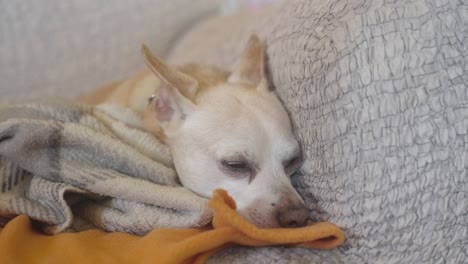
(20, 243)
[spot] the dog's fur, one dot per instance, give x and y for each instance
(225, 130)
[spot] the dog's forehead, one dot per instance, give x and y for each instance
(235, 115)
(249, 101)
(238, 103)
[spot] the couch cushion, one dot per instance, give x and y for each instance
(377, 92)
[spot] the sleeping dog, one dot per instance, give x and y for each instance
(225, 130)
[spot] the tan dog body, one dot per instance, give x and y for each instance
(225, 130)
(135, 92)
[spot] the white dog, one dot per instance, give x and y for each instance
(225, 130)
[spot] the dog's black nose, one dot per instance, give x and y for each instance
(293, 216)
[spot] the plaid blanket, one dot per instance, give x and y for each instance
(71, 167)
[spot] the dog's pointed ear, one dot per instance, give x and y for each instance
(186, 85)
(251, 66)
(173, 100)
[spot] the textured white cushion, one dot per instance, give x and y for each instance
(378, 94)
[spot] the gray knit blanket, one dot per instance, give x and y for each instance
(71, 167)
(378, 94)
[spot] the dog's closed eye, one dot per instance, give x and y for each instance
(238, 167)
(293, 164)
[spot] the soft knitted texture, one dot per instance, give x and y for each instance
(72, 167)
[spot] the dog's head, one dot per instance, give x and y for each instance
(233, 134)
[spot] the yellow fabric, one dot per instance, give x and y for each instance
(20, 243)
